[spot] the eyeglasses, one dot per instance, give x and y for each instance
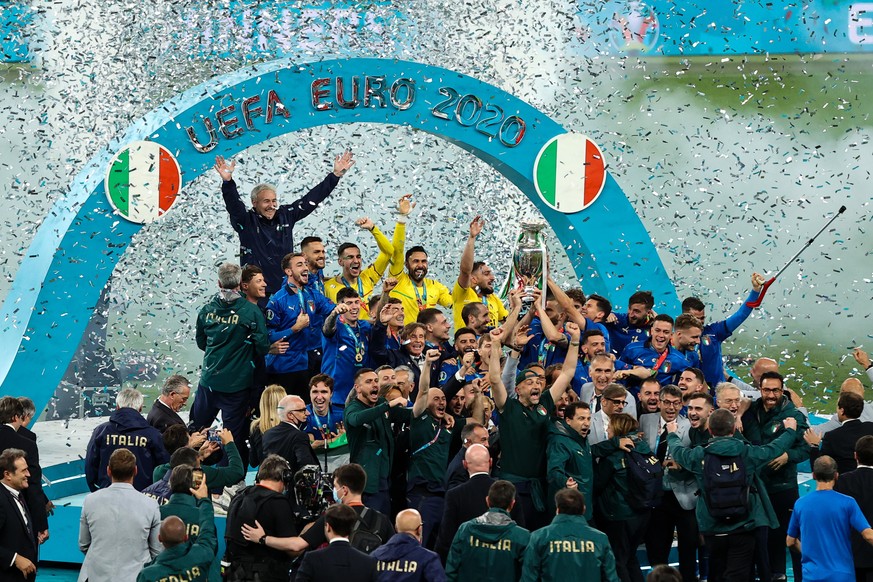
(618, 402)
(296, 410)
(672, 403)
(771, 390)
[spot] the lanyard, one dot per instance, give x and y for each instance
(364, 307)
(543, 351)
(321, 425)
(299, 295)
(360, 286)
(418, 297)
(432, 441)
(359, 344)
(661, 358)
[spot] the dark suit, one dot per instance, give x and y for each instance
(290, 443)
(840, 444)
(456, 473)
(33, 495)
(162, 416)
(14, 539)
(859, 485)
(27, 433)
(338, 561)
(463, 503)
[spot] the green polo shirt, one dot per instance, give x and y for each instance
(429, 444)
(523, 433)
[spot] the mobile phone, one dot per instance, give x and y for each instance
(212, 436)
(197, 478)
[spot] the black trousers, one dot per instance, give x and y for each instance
(625, 537)
(666, 518)
(783, 506)
(730, 556)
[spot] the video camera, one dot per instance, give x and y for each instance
(311, 491)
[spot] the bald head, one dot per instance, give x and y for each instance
(172, 532)
(477, 459)
(288, 404)
(762, 365)
(853, 386)
(409, 521)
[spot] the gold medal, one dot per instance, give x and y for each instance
(359, 357)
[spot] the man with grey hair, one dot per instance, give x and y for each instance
(232, 332)
(287, 439)
(165, 410)
(126, 429)
(266, 230)
(405, 378)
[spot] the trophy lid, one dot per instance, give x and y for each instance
(532, 225)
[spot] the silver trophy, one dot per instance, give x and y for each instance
(529, 261)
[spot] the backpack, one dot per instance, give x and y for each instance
(364, 537)
(645, 477)
(726, 487)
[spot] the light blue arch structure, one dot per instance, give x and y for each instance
(78, 245)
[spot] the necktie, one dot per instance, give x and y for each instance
(596, 402)
(662, 445)
(23, 504)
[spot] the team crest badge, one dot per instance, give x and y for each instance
(666, 367)
(541, 410)
(311, 305)
(706, 340)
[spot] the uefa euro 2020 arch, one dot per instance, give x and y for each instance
(82, 238)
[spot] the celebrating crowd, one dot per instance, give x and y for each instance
(404, 429)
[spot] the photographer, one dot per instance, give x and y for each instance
(265, 504)
(348, 486)
(217, 477)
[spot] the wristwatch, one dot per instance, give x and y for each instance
(263, 540)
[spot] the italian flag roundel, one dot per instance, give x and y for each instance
(569, 173)
(143, 181)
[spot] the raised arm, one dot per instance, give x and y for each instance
(569, 368)
(567, 304)
(741, 314)
(307, 204)
(235, 207)
(469, 249)
(330, 322)
(511, 322)
(398, 240)
(476, 406)
(498, 390)
(420, 404)
(386, 247)
(387, 285)
(549, 330)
